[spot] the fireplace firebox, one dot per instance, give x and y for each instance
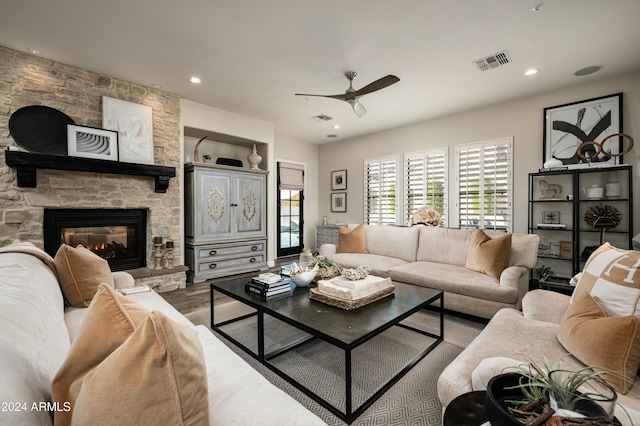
(117, 235)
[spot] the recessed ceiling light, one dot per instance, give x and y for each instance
(33, 51)
(531, 71)
(588, 70)
(195, 80)
(537, 7)
(336, 127)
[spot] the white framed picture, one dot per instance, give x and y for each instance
(134, 124)
(339, 202)
(90, 142)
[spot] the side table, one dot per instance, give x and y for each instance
(467, 409)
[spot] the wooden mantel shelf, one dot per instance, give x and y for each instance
(27, 163)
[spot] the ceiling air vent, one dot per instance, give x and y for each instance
(493, 61)
(321, 117)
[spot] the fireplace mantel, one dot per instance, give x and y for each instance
(27, 163)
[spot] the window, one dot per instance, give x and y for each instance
(425, 182)
(380, 191)
(290, 208)
(484, 178)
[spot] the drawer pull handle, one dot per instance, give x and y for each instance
(253, 259)
(213, 252)
(254, 248)
(213, 266)
(234, 205)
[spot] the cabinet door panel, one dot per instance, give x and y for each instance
(214, 202)
(249, 215)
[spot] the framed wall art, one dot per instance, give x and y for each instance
(90, 142)
(570, 131)
(134, 124)
(551, 217)
(338, 180)
(339, 202)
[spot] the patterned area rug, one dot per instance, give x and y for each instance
(320, 366)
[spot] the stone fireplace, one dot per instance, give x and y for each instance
(117, 235)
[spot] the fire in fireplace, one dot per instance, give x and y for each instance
(117, 235)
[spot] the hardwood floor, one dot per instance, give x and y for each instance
(196, 296)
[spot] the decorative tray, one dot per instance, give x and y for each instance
(346, 304)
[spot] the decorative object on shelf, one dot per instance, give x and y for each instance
(570, 131)
(599, 148)
(426, 215)
(196, 154)
(338, 180)
(206, 158)
(134, 124)
(40, 129)
(169, 254)
(553, 163)
(566, 249)
(89, 142)
(613, 187)
(550, 217)
(339, 202)
(324, 221)
(359, 273)
(600, 211)
(544, 245)
(254, 159)
(551, 191)
(594, 192)
(229, 162)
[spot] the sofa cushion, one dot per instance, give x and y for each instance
(351, 241)
(602, 341)
(392, 241)
(148, 366)
(380, 265)
(488, 255)
(612, 277)
(443, 245)
(80, 272)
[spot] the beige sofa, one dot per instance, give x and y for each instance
(435, 257)
(37, 332)
(513, 338)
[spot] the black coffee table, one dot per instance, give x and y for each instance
(330, 324)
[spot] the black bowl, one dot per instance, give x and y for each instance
(500, 390)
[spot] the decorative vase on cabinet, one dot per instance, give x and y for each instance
(225, 221)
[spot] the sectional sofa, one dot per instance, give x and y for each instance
(435, 257)
(39, 333)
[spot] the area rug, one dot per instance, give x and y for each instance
(320, 366)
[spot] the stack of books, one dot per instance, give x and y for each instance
(269, 286)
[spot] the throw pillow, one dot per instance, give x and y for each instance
(612, 277)
(602, 341)
(80, 272)
(351, 241)
(132, 366)
(488, 255)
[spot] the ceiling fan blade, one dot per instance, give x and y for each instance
(358, 108)
(376, 85)
(342, 97)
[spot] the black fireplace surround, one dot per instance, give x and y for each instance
(117, 235)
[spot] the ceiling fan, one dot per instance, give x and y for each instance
(351, 95)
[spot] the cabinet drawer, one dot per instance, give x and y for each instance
(222, 251)
(219, 266)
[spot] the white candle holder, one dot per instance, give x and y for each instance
(157, 256)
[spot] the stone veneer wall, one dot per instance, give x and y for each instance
(31, 80)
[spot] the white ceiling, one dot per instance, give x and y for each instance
(252, 56)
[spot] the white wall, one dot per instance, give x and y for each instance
(294, 151)
(522, 119)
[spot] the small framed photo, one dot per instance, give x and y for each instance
(566, 249)
(551, 217)
(90, 142)
(338, 180)
(339, 202)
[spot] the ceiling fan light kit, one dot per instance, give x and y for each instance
(351, 95)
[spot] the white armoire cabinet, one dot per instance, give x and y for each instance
(225, 220)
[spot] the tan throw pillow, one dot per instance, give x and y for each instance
(602, 341)
(488, 255)
(351, 241)
(612, 277)
(80, 272)
(132, 366)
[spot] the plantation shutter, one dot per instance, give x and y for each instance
(425, 182)
(381, 176)
(291, 176)
(484, 175)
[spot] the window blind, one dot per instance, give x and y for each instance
(380, 191)
(425, 182)
(291, 176)
(484, 177)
